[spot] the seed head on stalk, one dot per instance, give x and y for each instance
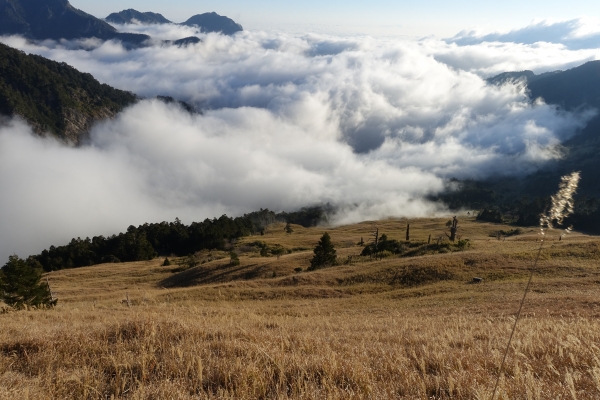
(562, 206)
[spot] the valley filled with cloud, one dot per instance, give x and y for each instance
(369, 125)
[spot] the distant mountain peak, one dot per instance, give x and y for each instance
(56, 19)
(131, 16)
(213, 22)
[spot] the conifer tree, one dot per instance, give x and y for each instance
(325, 254)
(20, 284)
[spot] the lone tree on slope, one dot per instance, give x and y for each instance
(20, 284)
(325, 255)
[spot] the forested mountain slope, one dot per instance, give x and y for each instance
(54, 97)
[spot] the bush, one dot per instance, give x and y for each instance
(20, 284)
(463, 244)
(166, 263)
(234, 259)
(385, 247)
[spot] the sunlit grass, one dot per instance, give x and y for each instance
(397, 328)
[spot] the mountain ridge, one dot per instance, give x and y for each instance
(57, 19)
(207, 22)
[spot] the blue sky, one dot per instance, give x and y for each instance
(427, 17)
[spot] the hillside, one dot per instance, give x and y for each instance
(56, 19)
(54, 97)
(401, 327)
(131, 15)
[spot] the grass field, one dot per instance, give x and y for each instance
(401, 327)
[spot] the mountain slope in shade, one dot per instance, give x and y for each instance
(54, 97)
(56, 19)
(131, 16)
(213, 22)
(572, 90)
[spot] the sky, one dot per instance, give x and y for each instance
(376, 17)
(371, 124)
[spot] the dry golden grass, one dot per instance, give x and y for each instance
(410, 328)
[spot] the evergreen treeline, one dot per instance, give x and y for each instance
(167, 238)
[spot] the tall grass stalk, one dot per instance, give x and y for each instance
(562, 206)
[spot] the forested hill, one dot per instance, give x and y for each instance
(54, 97)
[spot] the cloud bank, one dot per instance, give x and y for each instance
(369, 125)
(575, 34)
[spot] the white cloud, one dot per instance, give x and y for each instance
(370, 125)
(579, 33)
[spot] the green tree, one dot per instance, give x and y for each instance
(20, 284)
(325, 254)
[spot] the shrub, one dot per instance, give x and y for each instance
(463, 244)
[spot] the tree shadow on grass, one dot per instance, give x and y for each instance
(202, 275)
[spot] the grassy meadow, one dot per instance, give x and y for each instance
(412, 327)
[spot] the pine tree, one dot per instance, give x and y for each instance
(20, 284)
(325, 254)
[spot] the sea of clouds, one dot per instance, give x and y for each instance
(370, 125)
